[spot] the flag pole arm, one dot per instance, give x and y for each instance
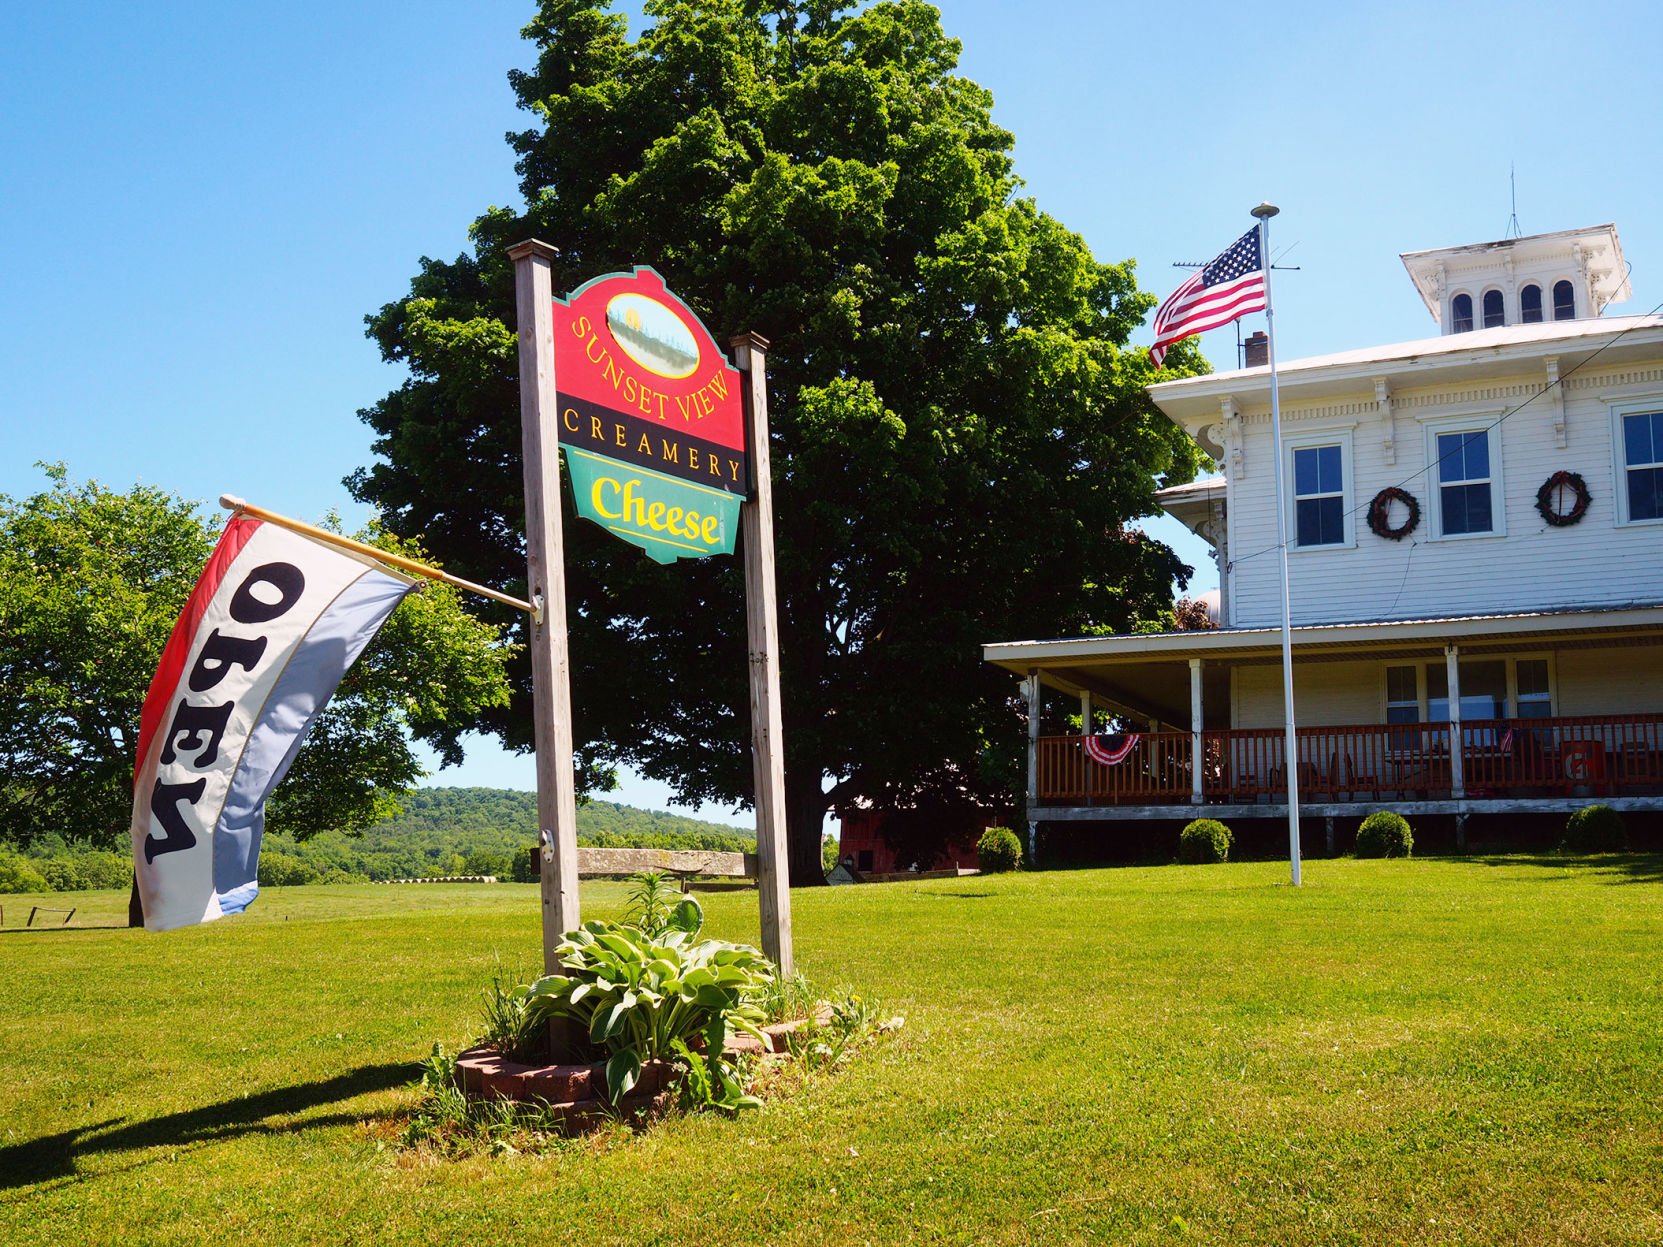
(239, 507)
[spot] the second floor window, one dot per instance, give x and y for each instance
(1643, 464)
(1319, 496)
(1464, 483)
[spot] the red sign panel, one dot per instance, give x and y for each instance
(639, 379)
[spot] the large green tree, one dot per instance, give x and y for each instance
(959, 434)
(91, 582)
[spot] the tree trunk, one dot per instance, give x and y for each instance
(805, 814)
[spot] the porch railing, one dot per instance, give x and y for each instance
(1598, 755)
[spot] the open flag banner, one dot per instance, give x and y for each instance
(1111, 750)
(275, 621)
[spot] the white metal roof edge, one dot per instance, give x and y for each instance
(1446, 345)
(1524, 241)
(1174, 644)
(1206, 487)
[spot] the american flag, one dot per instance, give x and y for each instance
(1230, 287)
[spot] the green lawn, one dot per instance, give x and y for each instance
(1440, 1051)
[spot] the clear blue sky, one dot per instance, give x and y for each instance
(199, 202)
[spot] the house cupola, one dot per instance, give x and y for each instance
(1569, 275)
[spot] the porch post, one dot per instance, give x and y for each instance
(1452, 664)
(1086, 712)
(1033, 758)
(1196, 757)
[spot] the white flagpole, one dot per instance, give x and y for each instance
(1291, 751)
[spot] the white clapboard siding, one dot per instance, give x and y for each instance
(1533, 566)
(1609, 681)
(1325, 694)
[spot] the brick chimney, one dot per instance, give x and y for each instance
(1256, 350)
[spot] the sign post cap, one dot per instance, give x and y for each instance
(533, 248)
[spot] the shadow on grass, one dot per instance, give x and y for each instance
(56, 1156)
(1621, 867)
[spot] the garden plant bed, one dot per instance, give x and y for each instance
(576, 1091)
(778, 1035)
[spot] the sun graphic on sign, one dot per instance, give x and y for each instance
(652, 335)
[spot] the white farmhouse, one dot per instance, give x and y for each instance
(1475, 527)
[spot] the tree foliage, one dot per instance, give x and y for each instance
(958, 436)
(91, 582)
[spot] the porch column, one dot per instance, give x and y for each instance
(1452, 664)
(1196, 757)
(1086, 712)
(1033, 758)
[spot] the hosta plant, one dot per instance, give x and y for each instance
(654, 908)
(636, 994)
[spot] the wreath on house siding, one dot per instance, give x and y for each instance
(1380, 509)
(1549, 492)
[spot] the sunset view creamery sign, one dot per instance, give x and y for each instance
(650, 417)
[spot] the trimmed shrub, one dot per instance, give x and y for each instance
(18, 874)
(1595, 829)
(999, 850)
(1204, 841)
(1385, 834)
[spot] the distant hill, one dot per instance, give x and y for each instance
(445, 831)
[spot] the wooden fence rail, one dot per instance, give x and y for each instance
(1597, 755)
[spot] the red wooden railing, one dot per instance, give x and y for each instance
(1586, 754)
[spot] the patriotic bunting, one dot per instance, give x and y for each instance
(1111, 750)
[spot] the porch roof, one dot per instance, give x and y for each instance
(1149, 673)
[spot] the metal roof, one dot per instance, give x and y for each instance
(1360, 634)
(1447, 346)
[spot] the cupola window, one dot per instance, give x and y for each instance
(1460, 313)
(1564, 301)
(1494, 315)
(1530, 304)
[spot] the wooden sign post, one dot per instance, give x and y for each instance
(546, 587)
(756, 522)
(665, 454)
